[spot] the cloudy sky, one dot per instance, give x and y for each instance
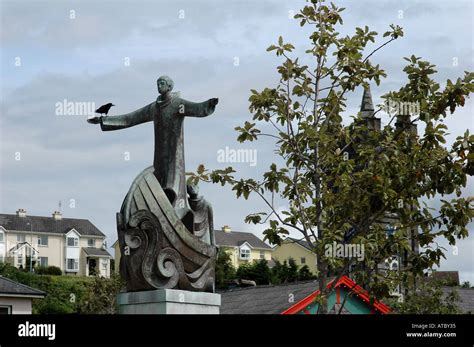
(113, 51)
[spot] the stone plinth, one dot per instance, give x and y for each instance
(168, 301)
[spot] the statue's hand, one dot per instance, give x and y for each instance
(94, 120)
(214, 101)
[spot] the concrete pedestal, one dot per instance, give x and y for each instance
(168, 301)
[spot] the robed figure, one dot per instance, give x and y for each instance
(159, 197)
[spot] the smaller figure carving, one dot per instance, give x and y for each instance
(203, 218)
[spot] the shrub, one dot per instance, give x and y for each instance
(225, 271)
(49, 270)
(100, 295)
(257, 271)
(304, 273)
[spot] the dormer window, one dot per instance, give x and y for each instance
(72, 241)
(245, 253)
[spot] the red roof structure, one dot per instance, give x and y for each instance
(344, 281)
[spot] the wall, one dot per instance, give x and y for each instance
(292, 250)
(19, 305)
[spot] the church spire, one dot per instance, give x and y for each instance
(367, 110)
(367, 105)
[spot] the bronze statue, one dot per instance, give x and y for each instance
(165, 242)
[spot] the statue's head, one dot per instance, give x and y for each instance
(165, 84)
(193, 191)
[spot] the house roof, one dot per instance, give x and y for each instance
(265, 299)
(10, 287)
(466, 298)
(451, 277)
(302, 243)
(237, 238)
(41, 224)
(97, 252)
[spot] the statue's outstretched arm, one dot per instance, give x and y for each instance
(199, 109)
(142, 115)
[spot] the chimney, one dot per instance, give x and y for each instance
(57, 215)
(21, 213)
(226, 229)
(404, 124)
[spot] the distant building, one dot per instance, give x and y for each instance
(447, 278)
(243, 247)
(15, 298)
(76, 246)
(300, 250)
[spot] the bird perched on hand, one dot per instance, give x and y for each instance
(104, 108)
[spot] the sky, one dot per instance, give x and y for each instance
(113, 51)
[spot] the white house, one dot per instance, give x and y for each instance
(76, 246)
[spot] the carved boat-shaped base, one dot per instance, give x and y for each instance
(158, 251)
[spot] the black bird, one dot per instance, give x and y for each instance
(104, 108)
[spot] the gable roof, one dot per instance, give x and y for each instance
(236, 238)
(10, 287)
(302, 243)
(268, 299)
(21, 245)
(98, 252)
(41, 224)
(349, 284)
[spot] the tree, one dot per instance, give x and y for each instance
(262, 272)
(428, 298)
(466, 285)
(225, 271)
(278, 272)
(304, 273)
(292, 274)
(339, 180)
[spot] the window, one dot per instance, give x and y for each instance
(245, 253)
(20, 238)
(20, 259)
(104, 265)
(42, 240)
(72, 264)
(303, 260)
(262, 254)
(1, 236)
(91, 243)
(5, 309)
(72, 241)
(43, 261)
